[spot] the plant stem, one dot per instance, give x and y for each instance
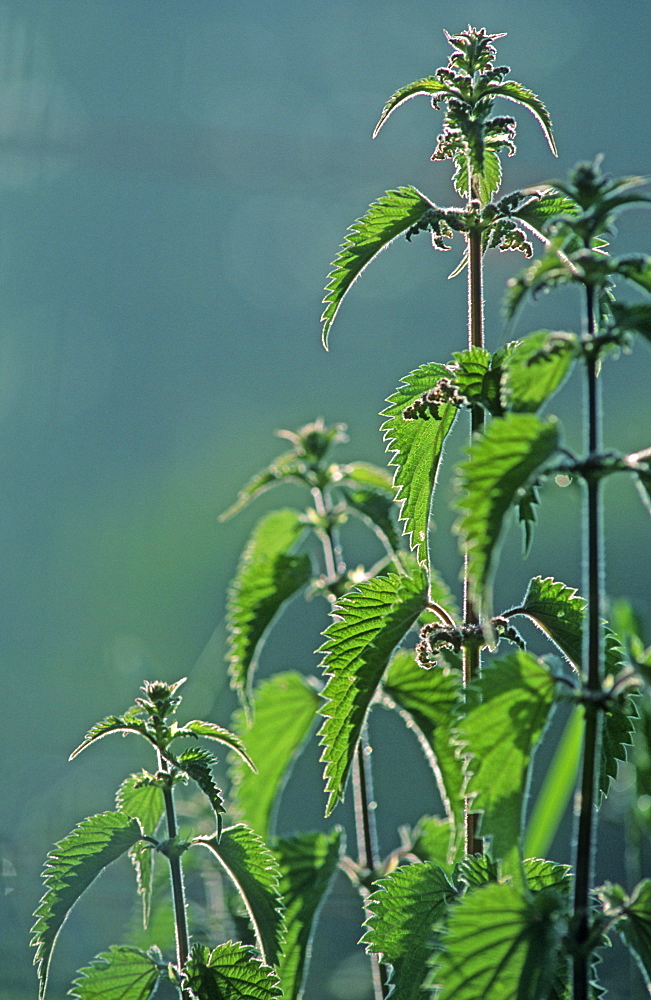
(334, 565)
(593, 654)
(471, 653)
(176, 877)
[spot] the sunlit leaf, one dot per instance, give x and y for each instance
(255, 873)
(430, 86)
(514, 91)
(121, 973)
(198, 763)
(416, 447)
(501, 463)
(536, 369)
(127, 723)
(73, 864)
(435, 839)
(141, 796)
(430, 702)
(267, 576)
(369, 623)
(633, 915)
(284, 713)
(636, 268)
(211, 731)
(404, 911)
(386, 219)
(500, 733)
(308, 863)
(288, 467)
(229, 972)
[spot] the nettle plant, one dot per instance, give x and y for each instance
(463, 906)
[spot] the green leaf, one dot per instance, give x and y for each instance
(198, 763)
(500, 734)
(557, 787)
(127, 723)
(416, 447)
(121, 973)
(527, 504)
(429, 86)
(284, 712)
(634, 921)
(536, 369)
(541, 874)
(255, 873)
(229, 972)
(377, 508)
(141, 796)
(537, 211)
(501, 463)
(636, 268)
(369, 623)
(633, 317)
(289, 467)
(308, 863)
(435, 839)
(386, 219)
(70, 868)
(405, 912)
(430, 702)
(211, 731)
(469, 372)
(500, 945)
(514, 91)
(365, 474)
(267, 576)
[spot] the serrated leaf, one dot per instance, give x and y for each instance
(128, 723)
(377, 509)
(229, 972)
(541, 874)
(429, 86)
(430, 702)
(307, 863)
(536, 368)
(386, 219)
(527, 515)
(634, 924)
(365, 474)
(140, 796)
(70, 868)
(500, 734)
(500, 945)
(416, 447)
(514, 91)
(211, 731)
(500, 464)
(536, 212)
(268, 575)
(405, 912)
(633, 317)
(469, 372)
(474, 870)
(369, 623)
(288, 467)
(255, 873)
(435, 839)
(198, 763)
(560, 613)
(284, 712)
(121, 973)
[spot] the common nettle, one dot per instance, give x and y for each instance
(464, 906)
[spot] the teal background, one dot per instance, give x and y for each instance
(175, 179)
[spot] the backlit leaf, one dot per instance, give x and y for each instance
(430, 86)
(121, 973)
(141, 796)
(634, 923)
(198, 763)
(514, 91)
(369, 623)
(211, 731)
(268, 575)
(288, 467)
(229, 972)
(416, 447)
(127, 723)
(536, 369)
(386, 219)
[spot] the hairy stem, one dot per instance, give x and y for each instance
(334, 565)
(593, 654)
(472, 654)
(176, 877)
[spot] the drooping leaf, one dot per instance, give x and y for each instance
(141, 796)
(633, 914)
(405, 913)
(527, 504)
(387, 218)
(211, 731)
(255, 873)
(416, 447)
(73, 864)
(121, 973)
(500, 733)
(284, 713)
(557, 788)
(430, 701)
(514, 91)
(501, 463)
(198, 763)
(636, 268)
(369, 623)
(229, 972)
(430, 86)
(536, 369)
(633, 317)
(500, 945)
(377, 508)
(308, 863)
(288, 467)
(267, 576)
(127, 723)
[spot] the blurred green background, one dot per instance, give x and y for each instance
(175, 179)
